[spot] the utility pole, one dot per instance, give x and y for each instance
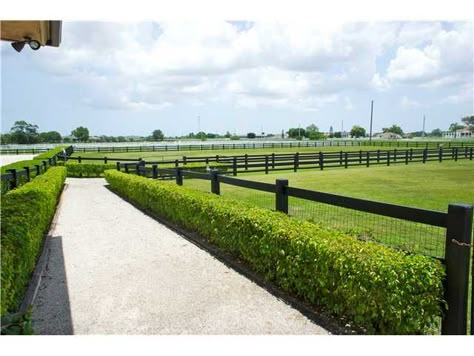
(423, 125)
(371, 117)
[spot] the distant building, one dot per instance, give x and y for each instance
(345, 134)
(388, 136)
(461, 133)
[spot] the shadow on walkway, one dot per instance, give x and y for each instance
(51, 308)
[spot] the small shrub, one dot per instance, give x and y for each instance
(26, 215)
(379, 289)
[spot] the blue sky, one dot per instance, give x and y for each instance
(129, 78)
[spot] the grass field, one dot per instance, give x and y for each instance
(430, 186)
(172, 155)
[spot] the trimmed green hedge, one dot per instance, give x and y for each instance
(377, 288)
(26, 215)
(87, 170)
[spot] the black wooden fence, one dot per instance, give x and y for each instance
(457, 221)
(318, 160)
(16, 177)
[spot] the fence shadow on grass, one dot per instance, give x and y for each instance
(51, 307)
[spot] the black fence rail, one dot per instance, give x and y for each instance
(251, 163)
(456, 224)
(282, 144)
(14, 178)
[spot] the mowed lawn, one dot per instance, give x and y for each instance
(172, 155)
(430, 186)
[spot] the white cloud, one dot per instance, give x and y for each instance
(305, 66)
(407, 103)
(444, 58)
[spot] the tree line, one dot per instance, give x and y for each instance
(23, 132)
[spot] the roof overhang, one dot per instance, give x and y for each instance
(47, 33)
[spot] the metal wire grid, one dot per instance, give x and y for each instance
(401, 234)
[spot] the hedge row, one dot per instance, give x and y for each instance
(87, 170)
(26, 215)
(379, 289)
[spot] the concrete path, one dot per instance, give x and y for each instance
(114, 270)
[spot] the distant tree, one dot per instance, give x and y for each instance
(80, 134)
(251, 135)
(357, 131)
(201, 135)
(5, 139)
(227, 134)
(394, 129)
(234, 138)
(416, 134)
(436, 133)
(337, 134)
(211, 135)
(157, 135)
(296, 132)
(67, 140)
(50, 137)
(468, 120)
(313, 133)
(23, 132)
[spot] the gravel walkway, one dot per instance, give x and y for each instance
(114, 270)
(7, 159)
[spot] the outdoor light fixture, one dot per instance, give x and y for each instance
(34, 45)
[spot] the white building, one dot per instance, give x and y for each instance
(461, 133)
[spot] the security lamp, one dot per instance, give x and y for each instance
(34, 45)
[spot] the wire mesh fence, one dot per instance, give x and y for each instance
(258, 198)
(197, 184)
(397, 233)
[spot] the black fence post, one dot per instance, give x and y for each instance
(79, 160)
(360, 156)
(321, 160)
(45, 165)
(378, 156)
(395, 155)
(179, 176)
(273, 160)
(440, 154)
(27, 170)
(13, 181)
(215, 185)
(137, 167)
(368, 159)
(340, 158)
(266, 164)
(345, 160)
(105, 160)
(117, 164)
(455, 154)
(296, 160)
(155, 171)
(470, 154)
(424, 155)
(406, 157)
(281, 195)
(411, 154)
(234, 166)
(246, 161)
(38, 169)
(126, 167)
(457, 255)
(388, 158)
